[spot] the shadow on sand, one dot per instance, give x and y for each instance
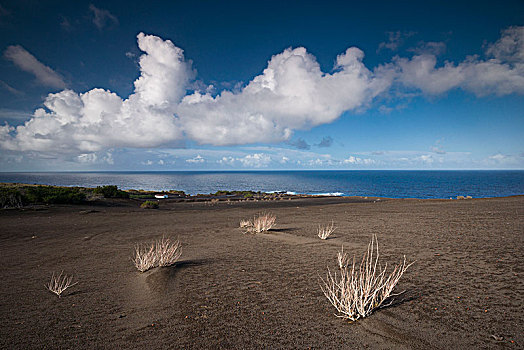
(162, 279)
(275, 230)
(401, 298)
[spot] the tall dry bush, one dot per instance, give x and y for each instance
(358, 290)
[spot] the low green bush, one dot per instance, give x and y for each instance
(141, 196)
(10, 198)
(149, 205)
(53, 195)
(110, 191)
(244, 194)
(177, 192)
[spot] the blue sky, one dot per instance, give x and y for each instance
(232, 85)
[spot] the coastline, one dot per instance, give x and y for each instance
(232, 195)
(378, 183)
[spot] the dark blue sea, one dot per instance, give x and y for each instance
(392, 184)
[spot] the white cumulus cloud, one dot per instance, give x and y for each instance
(358, 160)
(196, 160)
(257, 160)
(93, 158)
(291, 93)
(99, 119)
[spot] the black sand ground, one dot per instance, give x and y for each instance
(230, 290)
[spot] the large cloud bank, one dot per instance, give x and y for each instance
(291, 93)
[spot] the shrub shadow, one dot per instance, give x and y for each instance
(401, 298)
(330, 237)
(281, 230)
(162, 279)
(189, 263)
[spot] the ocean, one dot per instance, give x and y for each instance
(381, 183)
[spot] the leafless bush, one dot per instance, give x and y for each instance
(162, 252)
(325, 231)
(145, 257)
(359, 290)
(260, 223)
(343, 259)
(245, 224)
(168, 252)
(59, 283)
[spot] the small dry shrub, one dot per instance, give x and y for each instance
(264, 222)
(59, 283)
(359, 290)
(261, 223)
(325, 231)
(162, 252)
(245, 223)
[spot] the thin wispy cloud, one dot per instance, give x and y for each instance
(102, 18)
(501, 73)
(503, 160)
(66, 25)
(299, 143)
(11, 89)
(395, 40)
(14, 115)
(28, 63)
(437, 148)
(432, 48)
(327, 141)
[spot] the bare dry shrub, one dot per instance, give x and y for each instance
(245, 223)
(359, 290)
(168, 252)
(260, 223)
(145, 257)
(325, 231)
(59, 283)
(162, 252)
(343, 259)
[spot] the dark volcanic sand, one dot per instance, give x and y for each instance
(232, 290)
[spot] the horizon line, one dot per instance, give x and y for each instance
(238, 170)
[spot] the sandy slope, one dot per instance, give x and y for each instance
(232, 290)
